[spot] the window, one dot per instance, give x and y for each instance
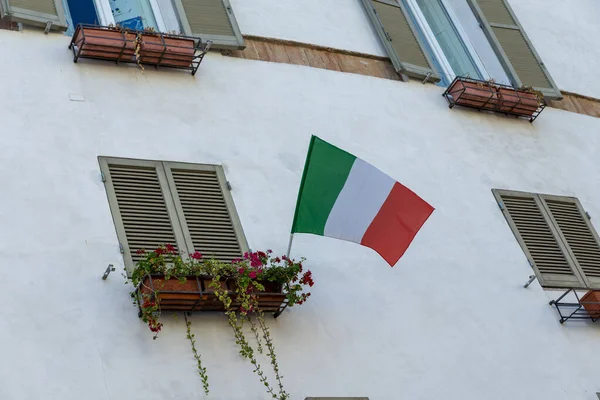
(557, 237)
(440, 39)
(207, 19)
(159, 202)
(450, 46)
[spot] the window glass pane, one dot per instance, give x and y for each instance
(80, 12)
(448, 38)
(133, 14)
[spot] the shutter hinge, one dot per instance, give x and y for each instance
(229, 10)
(48, 27)
(387, 35)
(501, 207)
(121, 248)
(228, 185)
(587, 214)
(102, 176)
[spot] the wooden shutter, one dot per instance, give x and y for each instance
(210, 20)
(206, 211)
(578, 235)
(141, 205)
(35, 12)
(400, 39)
(512, 46)
(538, 238)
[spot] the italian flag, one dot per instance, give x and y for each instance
(344, 197)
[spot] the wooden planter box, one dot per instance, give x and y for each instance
(591, 303)
(103, 43)
(169, 51)
(195, 294)
(472, 94)
(518, 101)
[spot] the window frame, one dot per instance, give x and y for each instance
(438, 53)
(171, 200)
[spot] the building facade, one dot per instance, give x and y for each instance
(451, 320)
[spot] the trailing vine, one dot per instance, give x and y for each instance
(201, 369)
(237, 285)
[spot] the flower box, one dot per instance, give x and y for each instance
(195, 294)
(141, 47)
(167, 50)
(103, 43)
(491, 96)
(518, 101)
(480, 95)
(591, 302)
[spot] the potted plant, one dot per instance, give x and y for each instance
(104, 42)
(244, 289)
(591, 303)
(472, 93)
(525, 101)
(166, 49)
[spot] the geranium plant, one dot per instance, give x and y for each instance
(250, 276)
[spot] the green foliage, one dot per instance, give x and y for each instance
(256, 272)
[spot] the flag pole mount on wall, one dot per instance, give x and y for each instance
(289, 249)
(344, 197)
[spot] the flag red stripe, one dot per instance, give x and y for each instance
(396, 224)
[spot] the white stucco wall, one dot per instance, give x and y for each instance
(564, 32)
(450, 321)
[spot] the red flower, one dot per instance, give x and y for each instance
(170, 248)
(140, 251)
(252, 274)
(241, 270)
(159, 251)
(196, 256)
(277, 259)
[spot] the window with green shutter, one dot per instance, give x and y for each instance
(400, 38)
(513, 47)
(210, 20)
(187, 205)
(557, 237)
(35, 12)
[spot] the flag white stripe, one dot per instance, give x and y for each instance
(361, 198)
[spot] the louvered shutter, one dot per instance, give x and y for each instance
(206, 211)
(142, 206)
(539, 239)
(35, 12)
(578, 234)
(400, 39)
(512, 46)
(210, 20)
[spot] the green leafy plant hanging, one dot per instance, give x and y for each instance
(248, 276)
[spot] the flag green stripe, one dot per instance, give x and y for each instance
(325, 173)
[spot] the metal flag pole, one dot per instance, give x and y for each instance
(290, 245)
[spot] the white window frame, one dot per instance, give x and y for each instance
(106, 17)
(435, 47)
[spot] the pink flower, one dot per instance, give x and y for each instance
(196, 256)
(241, 270)
(252, 274)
